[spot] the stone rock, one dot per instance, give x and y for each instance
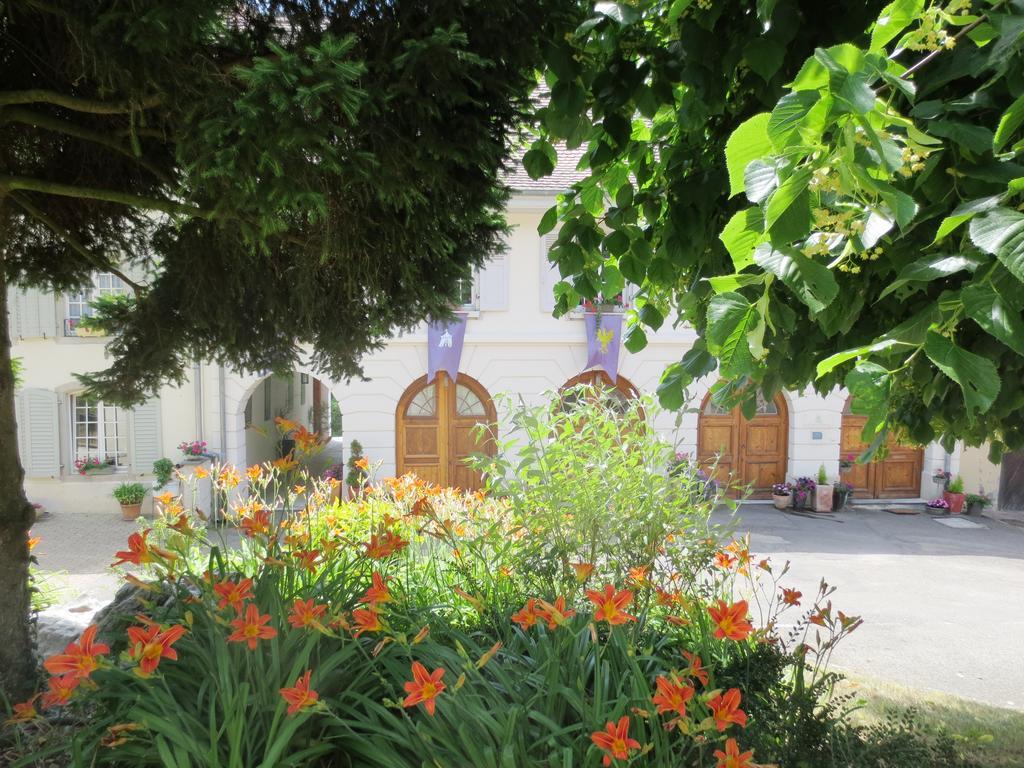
(118, 615)
(54, 631)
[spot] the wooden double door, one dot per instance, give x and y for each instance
(435, 430)
(749, 453)
(897, 476)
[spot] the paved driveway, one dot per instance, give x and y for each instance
(943, 608)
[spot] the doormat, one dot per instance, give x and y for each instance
(902, 511)
(958, 522)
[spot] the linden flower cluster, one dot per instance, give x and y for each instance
(913, 161)
(823, 180)
(931, 36)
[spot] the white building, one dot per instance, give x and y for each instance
(512, 344)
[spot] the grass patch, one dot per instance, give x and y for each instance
(988, 736)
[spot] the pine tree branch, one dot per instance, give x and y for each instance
(76, 245)
(29, 117)
(14, 183)
(76, 103)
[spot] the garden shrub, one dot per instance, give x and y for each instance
(582, 611)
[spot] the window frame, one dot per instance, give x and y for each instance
(83, 298)
(474, 302)
(122, 446)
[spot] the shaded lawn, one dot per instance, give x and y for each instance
(990, 737)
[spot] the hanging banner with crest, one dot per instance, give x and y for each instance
(444, 346)
(604, 333)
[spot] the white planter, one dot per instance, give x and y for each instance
(823, 498)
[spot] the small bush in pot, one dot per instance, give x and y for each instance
(163, 471)
(975, 503)
(954, 495)
(841, 493)
(823, 492)
(130, 496)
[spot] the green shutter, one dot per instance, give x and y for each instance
(146, 446)
(38, 434)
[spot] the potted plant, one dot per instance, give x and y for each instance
(846, 462)
(823, 492)
(357, 466)
(939, 505)
(954, 496)
(194, 450)
(163, 472)
(841, 493)
(335, 474)
(90, 465)
(941, 477)
(781, 495)
(803, 492)
(975, 503)
(130, 496)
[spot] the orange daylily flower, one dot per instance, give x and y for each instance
(149, 644)
(251, 628)
(488, 655)
(638, 575)
(421, 635)
(24, 712)
(583, 571)
(367, 619)
(724, 560)
(306, 440)
(256, 524)
(233, 594)
(182, 524)
(32, 542)
(555, 614)
(610, 605)
(424, 687)
(115, 734)
(378, 593)
(306, 613)
(363, 464)
(201, 473)
(306, 558)
(695, 670)
(732, 757)
(671, 696)
(285, 463)
(527, 616)
(164, 498)
(300, 696)
(60, 690)
(286, 425)
(614, 741)
(79, 659)
(254, 473)
(140, 551)
(298, 490)
(228, 477)
(380, 547)
(725, 709)
(791, 596)
(731, 620)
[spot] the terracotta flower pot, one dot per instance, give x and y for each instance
(131, 511)
(781, 502)
(955, 501)
(823, 498)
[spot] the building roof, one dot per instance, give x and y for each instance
(561, 178)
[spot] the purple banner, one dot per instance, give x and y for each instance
(604, 332)
(444, 346)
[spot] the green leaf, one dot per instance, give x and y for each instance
(813, 283)
(977, 377)
(856, 92)
(893, 19)
(930, 268)
(985, 305)
(727, 283)
(540, 159)
(743, 232)
(592, 197)
(832, 362)
(974, 138)
(730, 318)
(677, 8)
(635, 339)
(764, 56)
(759, 179)
(964, 212)
(1001, 232)
(789, 113)
(548, 221)
(747, 143)
(620, 12)
(651, 316)
(1011, 120)
(785, 195)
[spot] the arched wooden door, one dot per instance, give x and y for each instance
(897, 476)
(750, 453)
(434, 430)
(619, 394)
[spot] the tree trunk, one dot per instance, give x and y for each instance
(17, 659)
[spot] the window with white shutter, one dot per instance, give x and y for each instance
(493, 282)
(146, 439)
(32, 313)
(549, 274)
